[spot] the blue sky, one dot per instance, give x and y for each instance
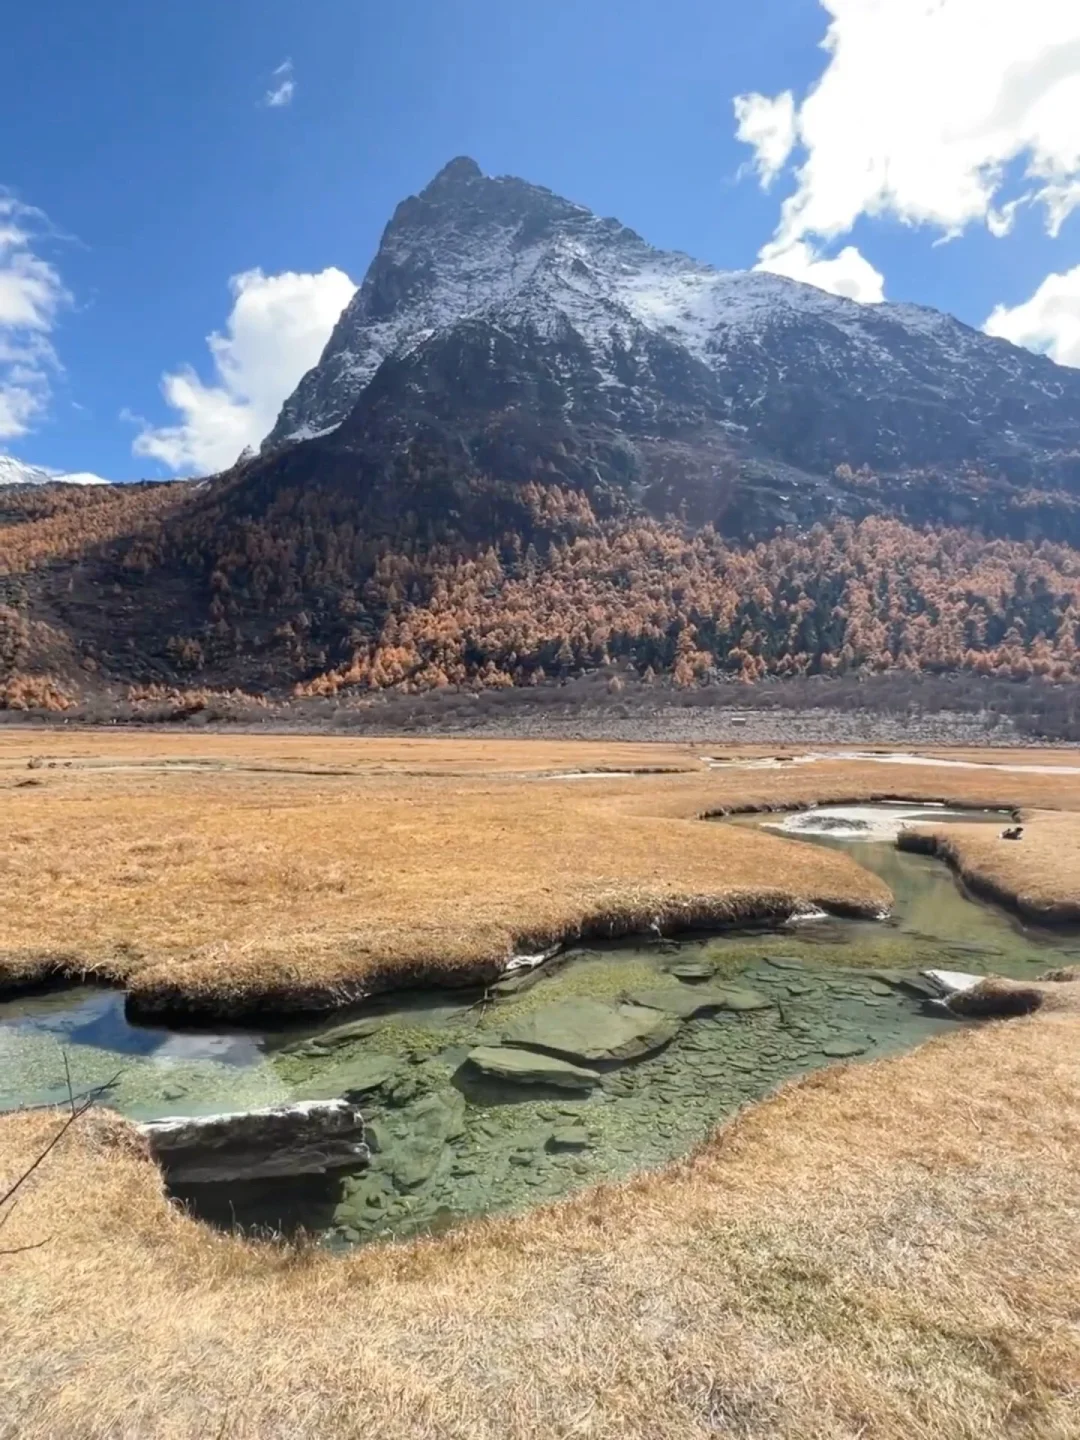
(144, 168)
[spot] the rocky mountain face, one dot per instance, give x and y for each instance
(498, 291)
(536, 446)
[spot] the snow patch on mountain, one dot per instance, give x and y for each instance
(17, 472)
(514, 255)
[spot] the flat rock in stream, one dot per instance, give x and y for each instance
(591, 1030)
(517, 982)
(906, 982)
(279, 1141)
(334, 1038)
(359, 1076)
(686, 1002)
(568, 1137)
(738, 997)
(844, 1049)
(692, 972)
(422, 1131)
(526, 1067)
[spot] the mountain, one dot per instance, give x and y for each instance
(16, 472)
(535, 446)
(652, 341)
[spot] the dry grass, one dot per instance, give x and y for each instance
(319, 754)
(1037, 875)
(223, 873)
(998, 996)
(885, 1252)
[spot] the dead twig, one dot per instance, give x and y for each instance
(77, 1109)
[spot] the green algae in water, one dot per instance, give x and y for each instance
(450, 1143)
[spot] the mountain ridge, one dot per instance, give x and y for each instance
(555, 449)
(473, 249)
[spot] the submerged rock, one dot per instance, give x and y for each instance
(365, 1201)
(516, 982)
(907, 982)
(569, 1137)
(592, 1030)
(419, 1139)
(692, 971)
(687, 1002)
(439, 1116)
(282, 1140)
(415, 1160)
(333, 1039)
(359, 1076)
(844, 1049)
(527, 1067)
(741, 999)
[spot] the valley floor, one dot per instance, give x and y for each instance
(884, 1251)
(224, 874)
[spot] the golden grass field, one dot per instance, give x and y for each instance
(222, 873)
(884, 1251)
(878, 1252)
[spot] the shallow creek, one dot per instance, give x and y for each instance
(736, 1014)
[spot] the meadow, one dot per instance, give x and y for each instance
(882, 1250)
(223, 874)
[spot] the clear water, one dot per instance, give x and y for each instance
(507, 1145)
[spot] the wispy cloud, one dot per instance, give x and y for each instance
(31, 296)
(282, 88)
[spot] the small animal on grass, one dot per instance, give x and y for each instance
(1012, 832)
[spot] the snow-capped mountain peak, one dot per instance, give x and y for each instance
(17, 472)
(812, 377)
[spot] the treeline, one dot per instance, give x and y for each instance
(40, 524)
(846, 598)
(329, 587)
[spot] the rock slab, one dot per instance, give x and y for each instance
(308, 1138)
(526, 1067)
(359, 1076)
(426, 1127)
(591, 1030)
(686, 1002)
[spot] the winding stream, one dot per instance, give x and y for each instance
(452, 1141)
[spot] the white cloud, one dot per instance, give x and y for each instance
(769, 126)
(1049, 321)
(275, 332)
(31, 296)
(848, 273)
(925, 111)
(282, 92)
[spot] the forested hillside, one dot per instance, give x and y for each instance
(535, 446)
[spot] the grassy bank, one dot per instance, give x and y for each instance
(1038, 875)
(225, 874)
(884, 1251)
